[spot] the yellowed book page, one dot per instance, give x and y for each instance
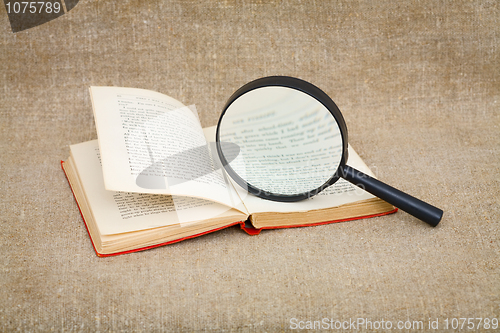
(152, 143)
(121, 212)
(236, 191)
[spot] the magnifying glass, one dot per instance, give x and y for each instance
(284, 139)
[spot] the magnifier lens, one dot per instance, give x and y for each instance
(289, 142)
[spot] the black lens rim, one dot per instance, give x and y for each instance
(305, 87)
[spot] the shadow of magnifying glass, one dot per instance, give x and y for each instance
(292, 144)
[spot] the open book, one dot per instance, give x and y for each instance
(153, 178)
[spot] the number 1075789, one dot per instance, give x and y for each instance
(471, 323)
(33, 7)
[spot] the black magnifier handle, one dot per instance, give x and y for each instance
(422, 210)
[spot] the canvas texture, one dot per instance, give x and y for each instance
(418, 85)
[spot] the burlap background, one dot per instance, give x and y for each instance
(418, 83)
